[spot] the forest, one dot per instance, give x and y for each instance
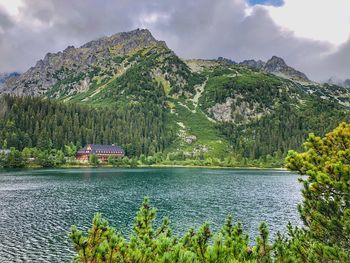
(46, 124)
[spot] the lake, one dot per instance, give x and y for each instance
(38, 207)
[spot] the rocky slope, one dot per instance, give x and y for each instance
(277, 66)
(74, 70)
(4, 77)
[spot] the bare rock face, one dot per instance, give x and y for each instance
(222, 112)
(277, 66)
(230, 111)
(226, 61)
(258, 64)
(69, 71)
(190, 139)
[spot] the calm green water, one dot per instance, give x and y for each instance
(38, 207)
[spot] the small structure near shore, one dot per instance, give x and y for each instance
(101, 151)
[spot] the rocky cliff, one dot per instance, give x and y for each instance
(277, 66)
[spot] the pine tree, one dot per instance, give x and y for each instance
(326, 206)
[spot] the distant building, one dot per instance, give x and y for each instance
(101, 151)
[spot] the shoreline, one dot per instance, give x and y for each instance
(214, 167)
(153, 166)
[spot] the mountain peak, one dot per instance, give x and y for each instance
(72, 63)
(226, 60)
(5, 76)
(138, 36)
(278, 66)
(275, 62)
(258, 64)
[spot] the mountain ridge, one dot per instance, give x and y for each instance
(54, 67)
(189, 108)
(277, 66)
(4, 77)
(339, 82)
(48, 71)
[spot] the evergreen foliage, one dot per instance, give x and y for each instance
(326, 207)
(325, 211)
(284, 129)
(46, 124)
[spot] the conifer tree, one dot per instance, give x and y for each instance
(326, 206)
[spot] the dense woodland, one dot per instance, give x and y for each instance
(46, 124)
(284, 129)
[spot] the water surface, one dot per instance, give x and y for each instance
(38, 207)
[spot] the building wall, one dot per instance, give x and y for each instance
(101, 157)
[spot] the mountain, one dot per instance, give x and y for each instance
(339, 82)
(131, 89)
(74, 70)
(258, 64)
(347, 83)
(277, 66)
(226, 60)
(6, 77)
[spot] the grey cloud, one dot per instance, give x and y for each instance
(193, 29)
(5, 20)
(338, 63)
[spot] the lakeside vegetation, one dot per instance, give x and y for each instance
(36, 158)
(52, 158)
(325, 211)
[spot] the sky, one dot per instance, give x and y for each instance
(311, 35)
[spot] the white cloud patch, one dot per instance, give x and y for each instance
(11, 6)
(327, 20)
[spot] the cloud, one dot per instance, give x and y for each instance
(337, 63)
(5, 21)
(327, 20)
(266, 2)
(193, 29)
